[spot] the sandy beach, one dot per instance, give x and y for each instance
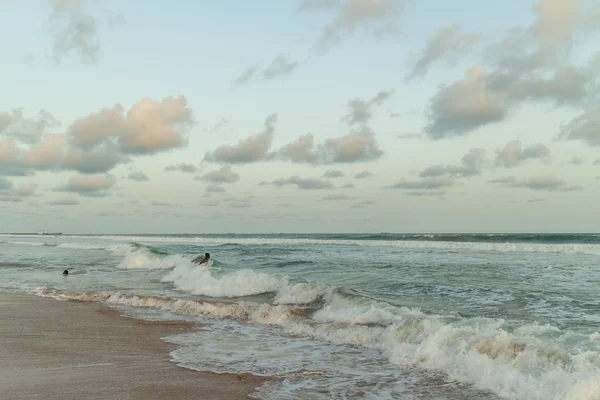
(53, 349)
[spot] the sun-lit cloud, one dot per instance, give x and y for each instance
(89, 185)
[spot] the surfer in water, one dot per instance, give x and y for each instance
(66, 272)
(206, 258)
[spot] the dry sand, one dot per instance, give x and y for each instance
(53, 349)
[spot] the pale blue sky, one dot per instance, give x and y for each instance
(474, 98)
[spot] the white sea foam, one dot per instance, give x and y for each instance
(479, 351)
(139, 257)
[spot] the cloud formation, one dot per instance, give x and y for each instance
(333, 173)
(183, 167)
(583, 128)
(64, 201)
(138, 176)
(224, 174)
(361, 111)
(279, 67)
(513, 154)
(252, 149)
(448, 44)
(363, 175)
(379, 15)
(147, 128)
(464, 106)
(26, 130)
(301, 183)
(424, 184)
(541, 183)
(75, 32)
(89, 185)
(470, 165)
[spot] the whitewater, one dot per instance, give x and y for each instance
(410, 316)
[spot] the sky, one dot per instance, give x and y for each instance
(300, 116)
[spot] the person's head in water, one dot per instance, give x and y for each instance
(65, 272)
(206, 256)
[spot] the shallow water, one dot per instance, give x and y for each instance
(350, 316)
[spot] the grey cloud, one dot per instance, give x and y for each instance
(541, 183)
(338, 197)
(25, 190)
(64, 201)
(8, 170)
(280, 66)
(448, 43)
(246, 76)
(222, 175)
(353, 147)
(301, 183)
(576, 161)
(215, 189)
(583, 128)
(361, 111)
(426, 193)
(5, 184)
(363, 175)
(76, 33)
(348, 186)
(27, 130)
(513, 153)
(183, 167)
(380, 14)
(220, 124)
(410, 136)
(300, 151)
(209, 203)
(148, 127)
(253, 149)
(464, 106)
(89, 185)
(333, 173)
(537, 200)
(423, 184)
(138, 176)
(597, 162)
(10, 197)
(239, 204)
(162, 204)
(362, 204)
(470, 165)
(504, 180)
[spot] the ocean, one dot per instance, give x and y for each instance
(373, 316)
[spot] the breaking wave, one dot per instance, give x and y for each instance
(527, 362)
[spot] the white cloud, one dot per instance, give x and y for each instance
(148, 127)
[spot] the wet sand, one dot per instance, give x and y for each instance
(53, 349)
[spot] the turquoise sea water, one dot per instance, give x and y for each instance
(386, 316)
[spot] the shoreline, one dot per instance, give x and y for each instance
(70, 350)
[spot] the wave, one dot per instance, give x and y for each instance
(199, 280)
(137, 256)
(529, 362)
(567, 244)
